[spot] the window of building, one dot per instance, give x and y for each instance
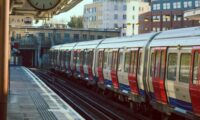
(133, 17)
(115, 25)
(115, 16)
(92, 37)
(177, 17)
(156, 18)
(166, 6)
(184, 72)
(124, 17)
(124, 7)
(172, 66)
(76, 37)
(84, 36)
(156, 6)
(187, 4)
(166, 18)
(99, 37)
(115, 7)
(197, 3)
(176, 5)
(124, 26)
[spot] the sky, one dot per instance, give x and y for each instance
(65, 17)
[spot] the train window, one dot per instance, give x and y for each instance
(133, 65)
(75, 57)
(100, 59)
(90, 58)
(68, 54)
(78, 58)
(81, 55)
(109, 60)
(139, 63)
(85, 58)
(114, 60)
(172, 66)
(162, 65)
(127, 61)
(184, 72)
(105, 60)
(120, 62)
(196, 67)
(157, 64)
(152, 64)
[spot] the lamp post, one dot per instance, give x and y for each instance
(4, 56)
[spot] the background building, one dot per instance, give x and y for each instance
(167, 14)
(115, 14)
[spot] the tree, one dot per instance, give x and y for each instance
(76, 22)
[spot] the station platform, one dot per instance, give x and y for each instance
(30, 99)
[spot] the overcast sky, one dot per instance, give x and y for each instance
(77, 11)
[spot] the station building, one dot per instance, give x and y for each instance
(167, 14)
(115, 14)
(34, 42)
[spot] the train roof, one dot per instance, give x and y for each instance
(88, 44)
(68, 46)
(55, 47)
(130, 41)
(183, 37)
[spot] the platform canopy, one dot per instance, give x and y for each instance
(26, 7)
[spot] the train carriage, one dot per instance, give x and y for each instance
(173, 75)
(66, 50)
(86, 59)
(121, 65)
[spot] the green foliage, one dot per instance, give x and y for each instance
(76, 22)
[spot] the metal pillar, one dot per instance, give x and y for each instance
(4, 56)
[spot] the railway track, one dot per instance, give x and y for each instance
(82, 101)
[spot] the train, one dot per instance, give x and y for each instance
(158, 69)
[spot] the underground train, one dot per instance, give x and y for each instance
(159, 69)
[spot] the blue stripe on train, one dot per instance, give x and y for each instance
(107, 82)
(180, 104)
(142, 92)
(124, 87)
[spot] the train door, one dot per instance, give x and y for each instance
(67, 61)
(114, 66)
(78, 63)
(107, 61)
(123, 66)
(159, 75)
(171, 73)
(100, 67)
(81, 57)
(195, 80)
(140, 73)
(74, 59)
(182, 85)
(132, 76)
(90, 63)
(85, 66)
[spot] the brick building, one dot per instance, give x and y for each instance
(167, 14)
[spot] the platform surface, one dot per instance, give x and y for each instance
(31, 99)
